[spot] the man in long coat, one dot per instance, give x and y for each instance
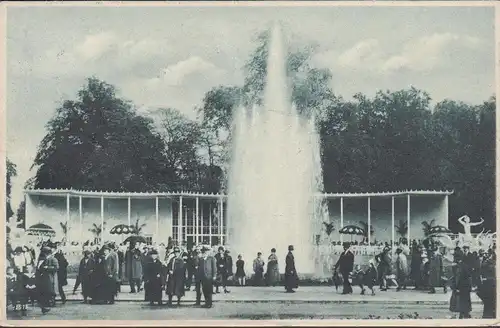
(84, 276)
(401, 268)
(291, 277)
(62, 273)
(176, 271)
(206, 274)
(111, 275)
(435, 270)
(133, 265)
(154, 279)
(45, 276)
(345, 265)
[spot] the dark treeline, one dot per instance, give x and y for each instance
(393, 141)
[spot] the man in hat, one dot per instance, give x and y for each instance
(111, 275)
(345, 265)
(205, 277)
(291, 277)
(62, 272)
(85, 271)
(154, 279)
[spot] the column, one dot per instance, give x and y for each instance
(80, 212)
(447, 213)
(202, 234)
(67, 215)
(408, 218)
(369, 222)
(196, 222)
(102, 219)
(157, 218)
(392, 224)
(128, 211)
(221, 226)
(179, 223)
(341, 217)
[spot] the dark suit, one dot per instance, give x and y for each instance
(291, 277)
(205, 275)
(111, 277)
(84, 277)
(345, 264)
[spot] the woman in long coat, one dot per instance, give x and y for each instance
(273, 273)
(291, 277)
(461, 288)
(154, 279)
(133, 268)
(435, 270)
(45, 277)
(176, 269)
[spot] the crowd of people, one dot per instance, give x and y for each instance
(104, 269)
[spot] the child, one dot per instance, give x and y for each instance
(240, 271)
(370, 277)
(12, 287)
(337, 280)
(28, 287)
(357, 278)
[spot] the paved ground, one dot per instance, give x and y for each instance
(261, 303)
(246, 311)
(303, 295)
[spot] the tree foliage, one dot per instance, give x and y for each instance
(11, 173)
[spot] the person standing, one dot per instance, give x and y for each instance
(416, 261)
(258, 269)
(401, 269)
(45, 276)
(84, 276)
(111, 275)
(192, 255)
(229, 269)
(240, 271)
(176, 269)
(345, 265)
(206, 275)
(384, 267)
(62, 273)
(487, 288)
(291, 277)
(134, 267)
(220, 260)
(273, 273)
(461, 285)
(435, 270)
(154, 279)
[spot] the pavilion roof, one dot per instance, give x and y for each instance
(120, 194)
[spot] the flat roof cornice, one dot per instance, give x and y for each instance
(110, 194)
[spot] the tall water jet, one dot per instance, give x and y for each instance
(275, 173)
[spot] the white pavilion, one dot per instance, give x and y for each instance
(189, 217)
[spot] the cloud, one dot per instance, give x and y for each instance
(96, 45)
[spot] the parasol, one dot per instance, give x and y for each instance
(352, 230)
(41, 229)
(135, 239)
(439, 229)
(122, 229)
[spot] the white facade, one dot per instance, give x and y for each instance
(201, 218)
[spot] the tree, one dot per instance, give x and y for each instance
(98, 142)
(137, 228)
(11, 173)
(364, 226)
(402, 228)
(427, 226)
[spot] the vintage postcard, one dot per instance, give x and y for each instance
(243, 163)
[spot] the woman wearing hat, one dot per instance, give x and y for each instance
(45, 276)
(176, 273)
(85, 271)
(273, 274)
(154, 279)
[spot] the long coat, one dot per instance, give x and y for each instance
(133, 264)
(401, 266)
(62, 273)
(461, 285)
(435, 270)
(46, 276)
(154, 280)
(176, 269)
(273, 273)
(291, 277)
(84, 276)
(345, 262)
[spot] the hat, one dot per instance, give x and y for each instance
(227, 251)
(86, 252)
(177, 249)
(18, 249)
(273, 250)
(290, 247)
(221, 248)
(204, 249)
(46, 250)
(346, 244)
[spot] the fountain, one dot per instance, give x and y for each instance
(275, 173)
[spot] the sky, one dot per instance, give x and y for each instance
(171, 56)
